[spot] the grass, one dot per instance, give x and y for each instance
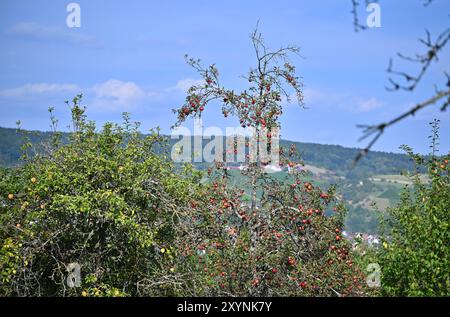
(397, 179)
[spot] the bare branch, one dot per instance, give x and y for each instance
(379, 129)
(425, 59)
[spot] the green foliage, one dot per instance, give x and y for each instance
(336, 159)
(263, 235)
(362, 220)
(111, 202)
(415, 257)
(286, 247)
(104, 200)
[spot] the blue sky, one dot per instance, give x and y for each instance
(129, 56)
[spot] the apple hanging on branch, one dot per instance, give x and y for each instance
(258, 106)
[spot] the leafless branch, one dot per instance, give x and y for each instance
(408, 82)
(357, 25)
(425, 59)
(378, 130)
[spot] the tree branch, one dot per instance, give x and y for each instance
(378, 130)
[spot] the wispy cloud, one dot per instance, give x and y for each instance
(115, 94)
(119, 95)
(346, 102)
(368, 105)
(38, 88)
(51, 33)
(112, 95)
(183, 85)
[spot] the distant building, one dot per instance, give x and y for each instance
(297, 168)
(357, 238)
(273, 168)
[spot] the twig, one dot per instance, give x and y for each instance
(379, 129)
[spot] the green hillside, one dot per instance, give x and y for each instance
(360, 186)
(335, 158)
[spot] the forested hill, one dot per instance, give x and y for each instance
(331, 157)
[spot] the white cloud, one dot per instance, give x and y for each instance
(346, 102)
(111, 95)
(116, 94)
(368, 105)
(184, 84)
(312, 96)
(55, 33)
(38, 88)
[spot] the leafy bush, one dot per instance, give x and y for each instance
(415, 258)
(286, 247)
(105, 201)
(137, 226)
(275, 239)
